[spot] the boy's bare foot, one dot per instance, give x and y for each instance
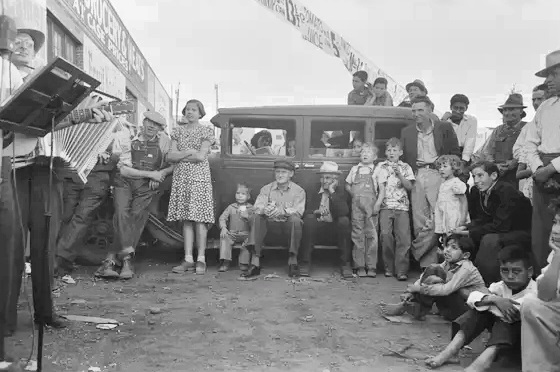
(439, 360)
(393, 309)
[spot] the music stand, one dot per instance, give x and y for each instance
(34, 109)
(51, 92)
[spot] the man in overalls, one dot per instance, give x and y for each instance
(366, 203)
(142, 167)
(499, 148)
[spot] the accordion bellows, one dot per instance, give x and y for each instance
(78, 146)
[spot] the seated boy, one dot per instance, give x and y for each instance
(540, 316)
(234, 226)
(496, 310)
(447, 284)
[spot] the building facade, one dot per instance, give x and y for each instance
(91, 35)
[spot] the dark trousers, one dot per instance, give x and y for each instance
(451, 306)
(32, 187)
(343, 230)
(473, 323)
(541, 225)
(259, 227)
(80, 204)
(486, 260)
(395, 240)
(131, 199)
(6, 236)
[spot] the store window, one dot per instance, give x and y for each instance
(133, 116)
(384, 130)
(60, 42)
(262, 137)
(336, 138)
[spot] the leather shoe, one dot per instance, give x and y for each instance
(293, 271)
(252, 272)
(304, 270)
(56, 322)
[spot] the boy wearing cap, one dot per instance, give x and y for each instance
(142, 167)
(329, 207)
(280, 205)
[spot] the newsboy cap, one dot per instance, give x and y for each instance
(284, 164)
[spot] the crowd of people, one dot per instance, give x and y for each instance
(478, 246)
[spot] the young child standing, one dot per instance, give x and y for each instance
(394, 221)
(366, 203)
(234, 226)
(496, 309)
(447, 284)
(452, 208)
(540, 316)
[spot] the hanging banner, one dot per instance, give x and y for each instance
(96, 64)
(31, 18)
(315, 31)
(162, 103)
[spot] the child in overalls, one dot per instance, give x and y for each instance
(366, 203)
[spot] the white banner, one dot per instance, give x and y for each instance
(323, 37)
(96, 64)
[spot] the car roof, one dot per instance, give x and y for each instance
(317, 110)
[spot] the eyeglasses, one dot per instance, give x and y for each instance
(24, 44)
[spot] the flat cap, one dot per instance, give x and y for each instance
(285, 164)
(156, 117)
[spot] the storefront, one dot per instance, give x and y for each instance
(90, 34)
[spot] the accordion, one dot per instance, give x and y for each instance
(76, 148)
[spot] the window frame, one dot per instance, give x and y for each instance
(381, 154)
(54, 27)
(308, 123)
(227, 139)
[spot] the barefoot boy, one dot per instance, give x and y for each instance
(447, 284)
(496, 310)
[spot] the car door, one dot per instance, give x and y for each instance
(245, 161)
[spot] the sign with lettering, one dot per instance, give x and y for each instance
(96, 64)
(315, 31)
(162, 102)
(100, 17)
(31, 15)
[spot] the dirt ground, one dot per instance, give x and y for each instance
(217, 323)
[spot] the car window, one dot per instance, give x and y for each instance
(262, 136)
(336, 138)
(384, 130)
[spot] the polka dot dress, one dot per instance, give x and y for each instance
(191, 191)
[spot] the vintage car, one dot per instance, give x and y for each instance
(252, 138)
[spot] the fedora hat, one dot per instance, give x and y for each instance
(417, 83)
(329, 167)
(37, 36)
(552, 60)
(515, 100)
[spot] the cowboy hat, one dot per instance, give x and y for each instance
(417, 83)
(329, 167)
(515, 100)
(552, 60)
(37, 36)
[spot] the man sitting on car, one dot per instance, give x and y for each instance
(279, 206)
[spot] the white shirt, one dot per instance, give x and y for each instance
(544, 134)
(502, 290)
(466, 135)
(519, 150)
(544, 269)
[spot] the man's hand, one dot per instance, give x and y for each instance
(542, 174)
(100, 116)
(157, 176)
(507, 307)
(376, 209)
(446, 116)
(414, 288)
(104, 158)
(461, 230)
(275, 213)
(224, 233)
(332, 187)
(154, 185)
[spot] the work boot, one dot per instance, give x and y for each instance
(107, 270)
(126, 271)
(224, 266)
(183, 267)
(55, 321)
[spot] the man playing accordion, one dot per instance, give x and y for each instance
(141, 168)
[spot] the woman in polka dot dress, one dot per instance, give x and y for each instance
(191, 192)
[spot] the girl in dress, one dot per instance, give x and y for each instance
(191, 198)
(451, 207)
